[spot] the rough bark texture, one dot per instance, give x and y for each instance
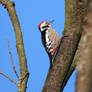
(84, 66)
(19, 44)
(78, 18)
(69, 42)
(72, 68)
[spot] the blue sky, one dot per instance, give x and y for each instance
(30, 14)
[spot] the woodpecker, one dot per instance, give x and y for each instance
(50, 39)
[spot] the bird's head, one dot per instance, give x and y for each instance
(45, 25)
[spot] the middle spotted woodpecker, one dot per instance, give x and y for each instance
(50, 39)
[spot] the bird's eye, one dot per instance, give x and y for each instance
(47, 23)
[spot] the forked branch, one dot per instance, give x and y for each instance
(10, 6)
(57, 75)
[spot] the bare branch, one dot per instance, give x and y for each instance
(8, 78)
(19, 41)
(12, 59)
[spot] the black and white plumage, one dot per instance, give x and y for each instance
(50, 38)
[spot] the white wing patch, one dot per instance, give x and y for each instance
(47, 39)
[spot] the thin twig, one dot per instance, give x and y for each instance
(12, 59)
(8, 78)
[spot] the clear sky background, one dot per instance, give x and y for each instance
(30, 14)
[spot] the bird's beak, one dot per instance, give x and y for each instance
(51, 22)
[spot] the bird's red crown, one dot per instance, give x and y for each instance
(40, 24)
